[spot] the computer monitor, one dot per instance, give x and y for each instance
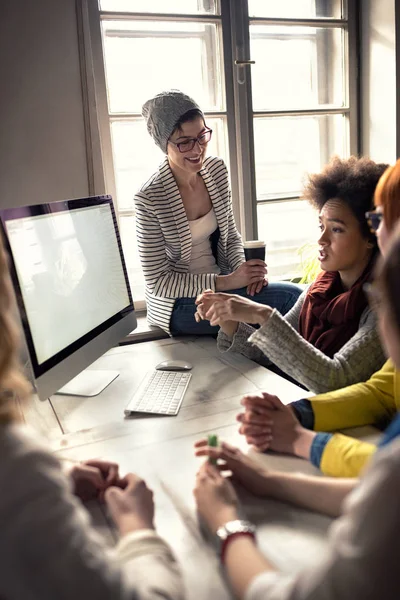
(72, 289)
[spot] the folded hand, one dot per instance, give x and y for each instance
(131, 504)
(267, 423)
(92, 477)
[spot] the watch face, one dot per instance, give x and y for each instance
(233, 526)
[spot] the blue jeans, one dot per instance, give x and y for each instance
(281, 296)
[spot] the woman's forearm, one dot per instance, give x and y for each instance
(324, 495)
(243, 562)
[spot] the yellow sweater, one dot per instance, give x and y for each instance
(368, 403)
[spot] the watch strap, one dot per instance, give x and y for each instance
(232, 529)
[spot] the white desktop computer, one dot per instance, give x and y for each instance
(72, 290)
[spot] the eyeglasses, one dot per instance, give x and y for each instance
(374, 296)
(374, 220)
(188, 145)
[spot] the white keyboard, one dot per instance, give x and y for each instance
(160, 393)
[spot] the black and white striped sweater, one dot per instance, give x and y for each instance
(165, 242)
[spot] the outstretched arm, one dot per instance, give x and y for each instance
(319, 494)
(285, 347)
(217, 504)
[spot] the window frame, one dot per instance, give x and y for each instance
(245, 114)
(235, 24)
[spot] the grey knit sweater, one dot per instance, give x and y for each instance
(279, 342)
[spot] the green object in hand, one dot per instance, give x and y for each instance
(213, 442)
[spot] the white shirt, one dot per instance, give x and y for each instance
(202, 259)
(364, 545)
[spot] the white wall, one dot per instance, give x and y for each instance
(378, 80)
(42, 141)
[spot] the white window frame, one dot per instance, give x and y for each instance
(239, 111)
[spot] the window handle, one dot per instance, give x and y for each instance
(241, 73)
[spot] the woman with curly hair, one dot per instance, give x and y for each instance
(48, 548)
(308, 428)
(329, 338)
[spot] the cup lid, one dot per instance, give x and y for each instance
(254, 244)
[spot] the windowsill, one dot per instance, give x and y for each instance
(144, 332)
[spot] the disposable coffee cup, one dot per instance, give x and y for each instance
(254, 249)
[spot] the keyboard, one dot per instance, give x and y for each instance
(160, 393)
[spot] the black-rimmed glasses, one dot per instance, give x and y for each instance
(374, 220)
(189, 144)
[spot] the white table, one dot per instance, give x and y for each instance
(160, 449)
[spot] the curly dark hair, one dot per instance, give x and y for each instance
(353, 181)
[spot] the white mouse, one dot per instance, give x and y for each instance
(174, 365)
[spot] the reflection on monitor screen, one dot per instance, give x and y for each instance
(71, 282)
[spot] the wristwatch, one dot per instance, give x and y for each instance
(231, 529)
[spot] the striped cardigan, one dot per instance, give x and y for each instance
(165, 241)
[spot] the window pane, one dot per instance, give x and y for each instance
(142, 58)
(288, 147)
(186, 7)
(296, 67)
(290, 230)
(127, 228)
(136, 157)
(295, 9)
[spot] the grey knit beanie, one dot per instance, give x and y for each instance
(163, 112)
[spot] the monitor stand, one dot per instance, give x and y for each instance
(88, 383)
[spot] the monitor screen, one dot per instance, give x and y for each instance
(69, 275)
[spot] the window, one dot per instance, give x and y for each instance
(273, 121)
(300, 98)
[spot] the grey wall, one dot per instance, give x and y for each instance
(42, 142)
(378, 53)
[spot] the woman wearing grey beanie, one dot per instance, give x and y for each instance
(187, 237)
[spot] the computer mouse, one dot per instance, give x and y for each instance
(174, 365)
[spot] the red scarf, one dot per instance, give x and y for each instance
(330, 315)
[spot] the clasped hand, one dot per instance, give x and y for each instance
(267, 423)
(128, 498)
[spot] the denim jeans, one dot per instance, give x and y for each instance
(281, 296)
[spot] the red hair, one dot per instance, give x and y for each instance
(387, 195)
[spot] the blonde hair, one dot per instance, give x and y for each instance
(12, 382)
(387, 195)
